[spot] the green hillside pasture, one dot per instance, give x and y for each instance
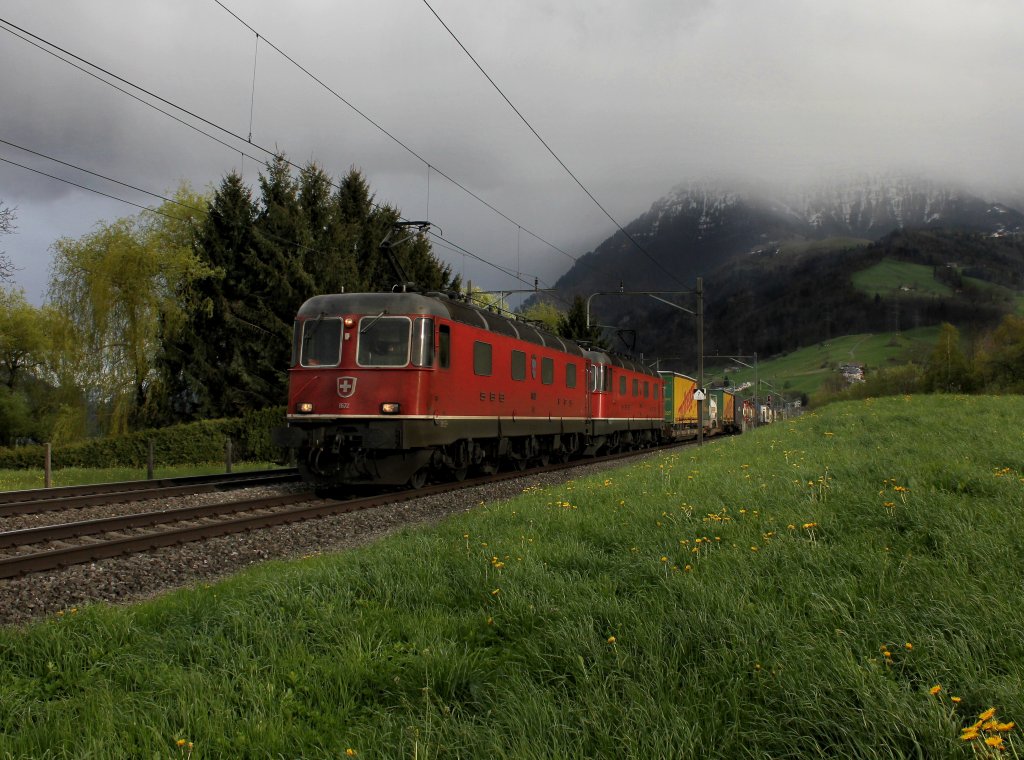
(844, 585)
(890, 277)
(805, 370)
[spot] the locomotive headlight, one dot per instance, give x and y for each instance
(304, 407)
(390, 407)
(349, 322)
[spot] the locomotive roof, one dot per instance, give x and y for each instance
(615, 360)
(435, 304)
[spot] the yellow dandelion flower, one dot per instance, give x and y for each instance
(496, 592)
(664, 559)
(955, 700)
(990, 725)
(180, 742)
(968, 734)
(611, 639)
(995, 741)
(987, 714)
(350, 752)
(753, 548)
(908, 646)
(935, 689)
(1005, 726)
(688, 568)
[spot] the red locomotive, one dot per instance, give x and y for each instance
(396, 388)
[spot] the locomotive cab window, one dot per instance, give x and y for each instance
(606, 383)
(383, 341)
(444, 346)
(423, 342)
(321, 342)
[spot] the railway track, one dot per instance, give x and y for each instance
(50, 547)
(71, 497)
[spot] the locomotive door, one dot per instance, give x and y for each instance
(590, 373)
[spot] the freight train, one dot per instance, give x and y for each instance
(400, 388)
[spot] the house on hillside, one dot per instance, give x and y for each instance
(852, 373)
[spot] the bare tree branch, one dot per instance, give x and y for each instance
(6, 228)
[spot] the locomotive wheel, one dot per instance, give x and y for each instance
(459, 474)
(519, 464)
(418, 479)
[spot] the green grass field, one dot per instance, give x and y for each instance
(844, 585)
(805, 370)
(889, 278)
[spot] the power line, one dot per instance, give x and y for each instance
(35, 41)
(450, 245)
(388, 134)
(548, 147)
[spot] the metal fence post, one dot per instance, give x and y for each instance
(227, 457)
(47, 472)
(149, 461)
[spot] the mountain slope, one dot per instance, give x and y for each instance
(778, 269)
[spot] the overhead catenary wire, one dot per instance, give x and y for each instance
(451, 245)
(548, 147)
(396, 140)
(39, 43)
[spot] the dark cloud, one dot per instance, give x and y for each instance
(634, 97)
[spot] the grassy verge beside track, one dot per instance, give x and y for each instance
(18, 480)
(845, 585)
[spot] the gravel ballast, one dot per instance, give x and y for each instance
(143, 576)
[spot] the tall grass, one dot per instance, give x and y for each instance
(797, 592)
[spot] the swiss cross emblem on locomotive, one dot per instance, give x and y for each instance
(346, 386)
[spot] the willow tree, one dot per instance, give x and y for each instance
(120, 288)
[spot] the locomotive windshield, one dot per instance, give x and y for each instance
(321, 341)
(383, 341)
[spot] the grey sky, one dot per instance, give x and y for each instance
(634, 97)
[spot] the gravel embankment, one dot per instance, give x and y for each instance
(132, 578)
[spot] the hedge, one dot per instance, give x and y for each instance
(193, 443)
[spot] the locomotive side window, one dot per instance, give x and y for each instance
(622, 385)
(518, 365)
(296, 342)
(547, 371)
(321, 342)
(481, 358)
(444, 346)
(570, 375)
(656, 391)
(636, 387)
(647, 389)
(383, 341)
(423, 342)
